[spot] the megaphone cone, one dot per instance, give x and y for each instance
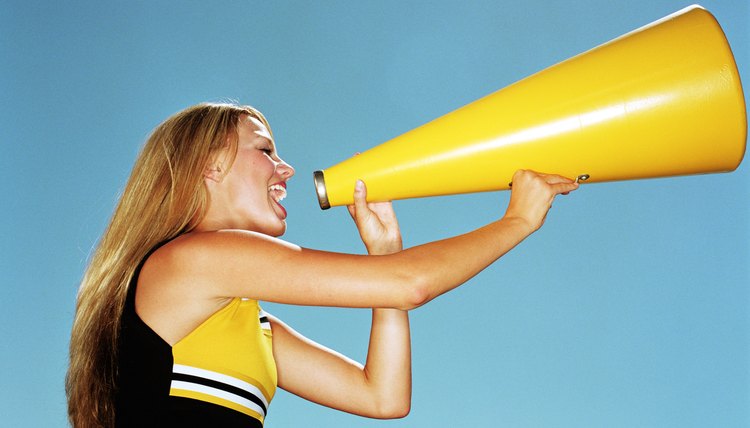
(663, 100)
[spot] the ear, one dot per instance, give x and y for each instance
(215, 170)
(214, 173)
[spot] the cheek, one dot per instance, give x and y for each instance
(265, 167)
(254, 181)
(259, 165)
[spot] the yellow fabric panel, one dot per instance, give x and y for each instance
(231, 342)
(215, 400)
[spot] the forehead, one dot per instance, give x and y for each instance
(253, 127)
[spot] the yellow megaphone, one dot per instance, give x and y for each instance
(663, 100)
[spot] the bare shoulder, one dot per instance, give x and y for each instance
(214, 247)
(178, 284)
(198, 264)
(201, 253)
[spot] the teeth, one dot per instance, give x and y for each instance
(278, 192)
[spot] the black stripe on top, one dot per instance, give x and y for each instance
(222, 386)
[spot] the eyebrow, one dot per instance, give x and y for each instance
(270, 141)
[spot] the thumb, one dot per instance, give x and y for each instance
(360, 200)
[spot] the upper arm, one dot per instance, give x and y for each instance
(248, 264)
(318, 374)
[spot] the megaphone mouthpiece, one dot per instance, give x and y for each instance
(320, 189)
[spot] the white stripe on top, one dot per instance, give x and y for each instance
(219, 393)
(219, 377)
(264, 324)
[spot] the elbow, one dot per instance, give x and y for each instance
(398, 412)
(394, 409)
(416, 293)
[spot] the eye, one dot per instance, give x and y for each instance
(266, 150)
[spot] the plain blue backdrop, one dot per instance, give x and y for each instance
(629, 308)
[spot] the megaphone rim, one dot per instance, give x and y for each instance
(320, 189)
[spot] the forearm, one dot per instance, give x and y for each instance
(446, 265)
(443, 265)
(388, 367)
(387, 371)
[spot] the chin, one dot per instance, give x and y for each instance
(278, 231)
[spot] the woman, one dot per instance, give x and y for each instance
(167, 326)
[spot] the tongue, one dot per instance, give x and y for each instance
(276, 196)
(280, 210)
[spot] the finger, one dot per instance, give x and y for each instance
(384, 211)
(554, 179)
(564, 187)
(379, 207)
(360, 198)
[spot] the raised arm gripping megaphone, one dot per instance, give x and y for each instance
(663, 100)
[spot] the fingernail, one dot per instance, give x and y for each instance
(359, 186)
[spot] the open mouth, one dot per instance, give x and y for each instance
(277, 192)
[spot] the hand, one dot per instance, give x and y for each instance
(532, 196)
(376, 222)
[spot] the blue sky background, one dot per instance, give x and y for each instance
(629, 308)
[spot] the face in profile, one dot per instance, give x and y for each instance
(248, 196)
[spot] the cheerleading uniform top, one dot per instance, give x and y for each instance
(220, 374)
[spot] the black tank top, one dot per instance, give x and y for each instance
(221, 374)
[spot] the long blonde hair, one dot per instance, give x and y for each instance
(165, 196)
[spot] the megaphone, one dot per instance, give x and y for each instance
(663, 100)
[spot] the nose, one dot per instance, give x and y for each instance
(284, 170)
